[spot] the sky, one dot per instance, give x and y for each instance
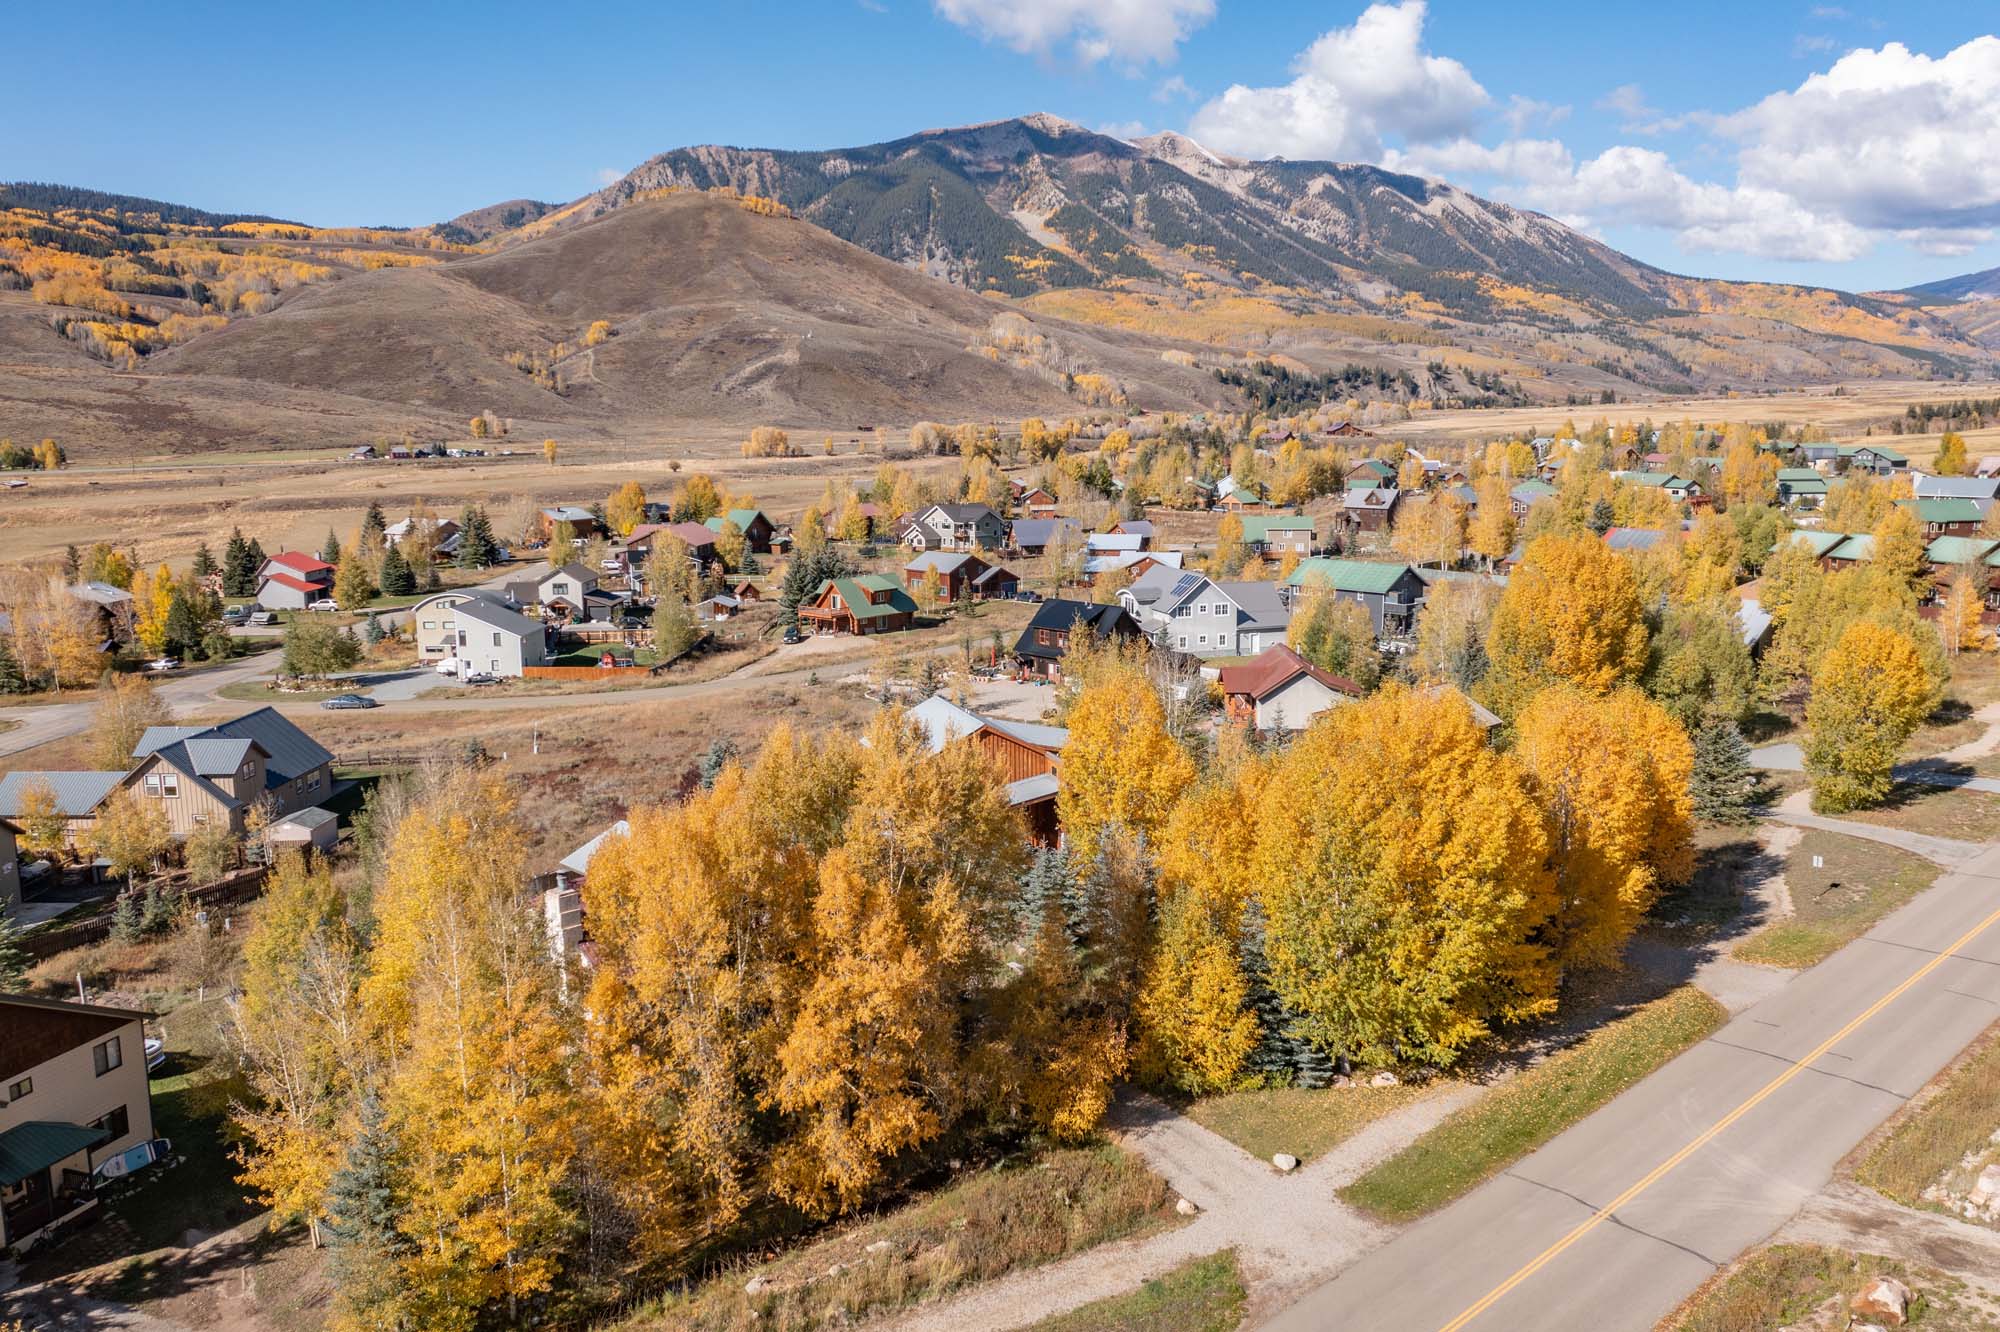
(1855, 145)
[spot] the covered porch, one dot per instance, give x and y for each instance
(45, 1178)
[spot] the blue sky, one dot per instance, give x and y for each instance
(1857, 145)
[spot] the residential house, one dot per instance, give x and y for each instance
(956, 527)
(1279, 533)
(74, 1080)
(1029, 757)
(1527, 494)
(1037, 502)
(76, 797)
(563, 589)
(745, 590)
(648, 537)
(960, 577)
(1875, 458)
(1679, 489)
(1141, 597)
(293, 580)
(1981, 490)
(215, 775)
(495, 639)
(583, 524)
(1042, 645)
(1348, 430)
(1278, 690)
(1637, 538)
(1801, 487)
(1857, 548)
(1138, 527)
(1946, 517)
(444, 534)
(1373, 469)
(1113, 543)
(1031, 536)
(1951, 556)
(1240, 501)
(758, 531)
(721, 606)
(434, 626)
(863, 604)
(1393, 593)
(1132, 562)
(1372, 509)
(1204, 618)
(1988, 465)
(113, 606)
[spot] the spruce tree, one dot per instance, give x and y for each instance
(373, 528)
(239, 574)
(1602, 517)
(718, 757)
(397, 580)
(372, 634)
(1282, 1055)
(363, 1239)
(330, 548)
(13, 957)
(157, 912)
(183, 628)
(476, 547)
(126, 921)
(256, 562)
(1048, 881)
(72, 564)
(204, 562)
(1723, 784)
(12, 681)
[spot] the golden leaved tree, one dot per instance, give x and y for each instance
(1571, 614)
(1872, 689)
(1122, 772)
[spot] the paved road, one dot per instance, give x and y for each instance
(1758, 1151)
(53, 721)
(1935, 771)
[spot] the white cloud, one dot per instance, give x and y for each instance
(609, 176)
(1887, 139)
(1812, 43)
(1125, 129)
(1172, 87)
(1354, 89)
(1629, 101)
(1524, 112)
(1134, 32)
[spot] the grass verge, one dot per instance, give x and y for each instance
(1935, 811)
(1542, 1101)
(1792, 1285)
(1304, 1123)
(1939, 1131)
(982, 1227)
(1856, 884)
(1201, 1295)
(259, 691)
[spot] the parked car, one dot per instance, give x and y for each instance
(340, 702)
(236, 615)
(478, 678)
(324, 604)
(792, 635)
(1025, 595)
(263, 617)
(159, 664)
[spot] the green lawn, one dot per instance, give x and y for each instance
(1857, 883)
(1201, 1295)
(1806, 1285)
(984, 1225)
(1935, 1138)
(1522, 1114)
(1305, 1124)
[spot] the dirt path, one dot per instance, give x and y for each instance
(1983, 747)
(1289, 1231)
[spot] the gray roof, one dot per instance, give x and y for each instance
(104, 594)
(1109, 541)
(1040, 531)
(573, 569)
(1259, 603)
(496, 616)
(578, 861)
(570, 513)
(289, 751)
(964, 513)
(1956, 487)
(1136, 526)
(217, 758)
(944, 721)
(76, 793)
(1162, 580)
(943, 561)
(315, 817)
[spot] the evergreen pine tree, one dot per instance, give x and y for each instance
(72, 564)
(12, 681)
(239, 575)
(373, 527)
(373, 633)
(476, 546)
(204, 562)
(255, 562)
(126, 923)
(329, 549)
(1602, 517)
(1282, 1055)
(397, 580)
(711, 763)
(157, 912)
(1048, 881)
(183, 629)
(13, 957)
(362, 1207)
(1723, 783)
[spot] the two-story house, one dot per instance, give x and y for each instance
(204, 775)
(583, 524)
(1204, 618)
(494, 639)
(1043, 644)
(563, 589)
(757, 529)
(1801, 487)
(862, 604)
(1393, 593)
(956, 527)
(1946, 517)
(959, 577)
(1280, 534)
(73, 1094)
(1028, 755)
(293, 580)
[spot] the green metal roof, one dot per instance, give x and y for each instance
(1944, 510)
(1859, 547)
(1377, 466)
(1960, 550)
(39, 1144)
(1259, 526)
(1349, 575)
(1820, 542)
(1799, 474)
(854, 592)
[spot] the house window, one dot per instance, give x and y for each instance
(16, 1091)
(1183, 612)
(1183, 640)
(496, 640)
(106, 1056)
(163, 785)
(116, 1122)
(430, 624)
(1203, 640)
(312, 780)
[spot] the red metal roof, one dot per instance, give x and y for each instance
(296, 584)
(300, 561)
(1275, 667)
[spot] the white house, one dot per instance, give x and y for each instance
(491, 638)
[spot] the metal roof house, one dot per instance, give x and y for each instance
(1391, 592)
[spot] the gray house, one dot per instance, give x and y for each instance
(1204, 618)
(956, 527)
(496, 640)
(1392, 592)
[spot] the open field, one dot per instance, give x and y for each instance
(1201, 1295)
(1807, 1285)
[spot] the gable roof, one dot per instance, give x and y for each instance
(944, 721)
(299, 562)
(854, 594)
(1946, 510)
(1259, 602)
(1956, 487)
(581, 573)
(1134, 527)
(1819, 542)
(295, 583)
(1527, 492)
(1125, 559)
(495, 616)
(103, 594)
(1635, 538)
(943, 561)
(1377, 466)
(578, 861)
(569, 513)
(1259, 526)
(1114, 541)
(77, 794)
(1960, 550)
(1040, 531)
(1060, 614)
(290, 751)
(961, 513)
(36, 1030)
(1273, 669)
(1368, 576)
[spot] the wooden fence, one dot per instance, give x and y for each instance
(583, 672)
(238, 887)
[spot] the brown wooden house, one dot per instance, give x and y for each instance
(863, 604)
(1027, 756)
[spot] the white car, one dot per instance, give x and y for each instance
(324, 604)
(162, 664)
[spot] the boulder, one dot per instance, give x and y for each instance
(1383, 1079)
(1885, 1300)
(1186, 1207)
(880, 1246)
(1341, 1080)
(756, 1285)
(1986, 1189)
(1286, 1162)
(836, 1269)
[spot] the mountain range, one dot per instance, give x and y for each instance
(1023, 266)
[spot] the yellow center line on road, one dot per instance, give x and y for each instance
(1708, 1135)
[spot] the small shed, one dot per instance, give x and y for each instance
(316, 828)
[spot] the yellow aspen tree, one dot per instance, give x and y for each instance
(1611, 774)
(626, 508)
(1869, 694)
(151, 599)
(1194, 1006)
(1404, 871)
(1571, 613)
(1122, 771)
(1898, 550)
(1491, 533)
